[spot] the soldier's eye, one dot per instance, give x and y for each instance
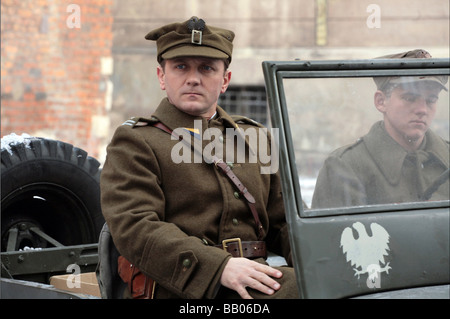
(432, 100)
(410, 97)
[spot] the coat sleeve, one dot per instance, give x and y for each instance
(338, 186)
(277, 238)
(133, 205)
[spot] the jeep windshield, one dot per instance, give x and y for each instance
(363, 160)
(327, 108)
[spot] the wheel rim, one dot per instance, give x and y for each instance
(53, 209)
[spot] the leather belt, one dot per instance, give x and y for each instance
(246, 249)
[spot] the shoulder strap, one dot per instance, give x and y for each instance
(242, 190)
(140, 121)
(231, 176)
(245, 120)
(164, 128)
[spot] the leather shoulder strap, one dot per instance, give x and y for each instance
(231, 176)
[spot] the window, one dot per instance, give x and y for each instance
(341, 154)
(248, 101)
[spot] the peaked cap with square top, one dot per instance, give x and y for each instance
(382, 82)
(192, 38)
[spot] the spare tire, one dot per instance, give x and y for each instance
(49, 185)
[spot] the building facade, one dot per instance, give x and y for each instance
(77, 77)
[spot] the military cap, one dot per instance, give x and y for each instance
(382, 82)
(192, 38)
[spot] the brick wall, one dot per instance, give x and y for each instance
(55, 68)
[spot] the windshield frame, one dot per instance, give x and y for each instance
(276, 71)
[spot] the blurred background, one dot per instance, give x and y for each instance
(75, 70)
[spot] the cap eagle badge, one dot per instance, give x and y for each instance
(196, 27)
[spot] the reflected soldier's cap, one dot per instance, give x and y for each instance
(383, 82)
(192, 38)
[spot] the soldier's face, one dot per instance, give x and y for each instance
(193, 85)
(408, 112)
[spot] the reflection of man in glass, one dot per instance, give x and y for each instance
(400, 159)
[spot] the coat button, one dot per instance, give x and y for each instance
(235, 221)
(236, 195)
(187, 263)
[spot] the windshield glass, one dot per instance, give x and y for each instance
(360, 141)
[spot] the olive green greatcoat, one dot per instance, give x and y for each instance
(164, 217)
(377, 170)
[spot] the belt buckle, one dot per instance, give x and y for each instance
(238, 240)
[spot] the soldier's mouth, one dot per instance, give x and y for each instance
(418, 122)
(193, 94)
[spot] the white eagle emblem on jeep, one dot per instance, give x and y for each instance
(366, 253)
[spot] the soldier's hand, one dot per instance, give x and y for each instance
(240, 273)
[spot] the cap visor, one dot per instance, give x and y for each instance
(194, 51)
(406, 80)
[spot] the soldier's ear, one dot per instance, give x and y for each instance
(226, 81)
(160, 73)
(380, 101)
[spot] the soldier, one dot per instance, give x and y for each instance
(400, 159)
(197, 228)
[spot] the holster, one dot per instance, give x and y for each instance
(140, 286)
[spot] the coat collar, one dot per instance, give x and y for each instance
(173, 118)
(390, 156)
(168, 114)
